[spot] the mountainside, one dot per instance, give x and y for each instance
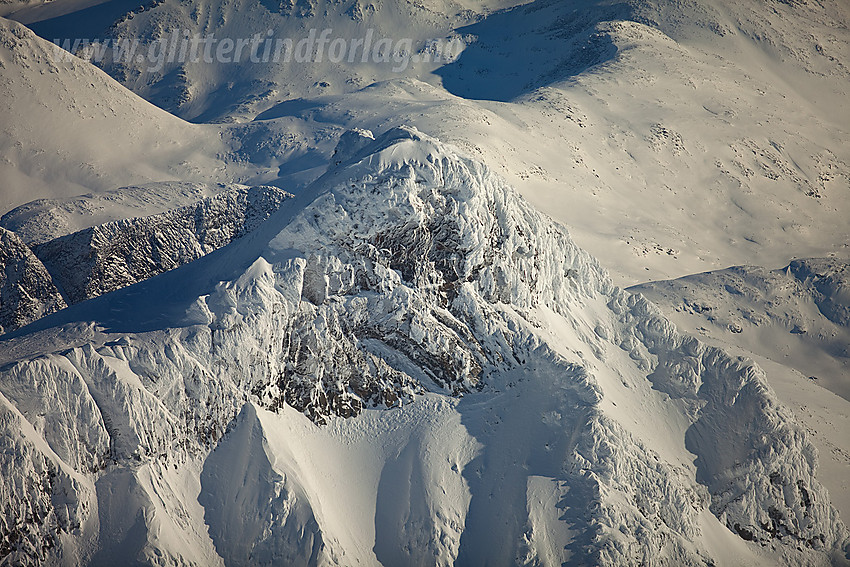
(247, 81)
(237, 328)
(109, 256)
(666, 154)
(68, 128)
(727, 119)
(27, 291)
(482, 354)
(793, 322)
(46, 274)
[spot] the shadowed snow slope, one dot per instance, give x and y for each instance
(406, 364)
(209, 89)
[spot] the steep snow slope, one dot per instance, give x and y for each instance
(8, 7)
(668, 157)
(112, 255)
(794, 322)
(487, 395)
(207, 89)
(801, 313)
(44, 500)
(713, 133)
(673, 137)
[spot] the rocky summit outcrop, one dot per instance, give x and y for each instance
(478, 391)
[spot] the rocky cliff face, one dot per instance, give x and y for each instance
(103, 258)
(40, 279)
(26, 290)
(477, 391)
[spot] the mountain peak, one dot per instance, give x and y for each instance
(413, 292)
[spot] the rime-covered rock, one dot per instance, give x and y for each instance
(476, 390)
(106, 257)
(27, 291)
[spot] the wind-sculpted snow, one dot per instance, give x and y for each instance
(755, 461)
(103, 258)
(830, 279)
(47, 509)
(291, 537)
(798, 315)
(26, 290)
(417, 367)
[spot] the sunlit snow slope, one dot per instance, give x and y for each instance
(67, 128)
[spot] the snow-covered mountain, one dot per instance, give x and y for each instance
(802, 308)
(204, 89)
(679, 137)
(68, 128)
(41, 220)
(267, 337)
(512, 405)
(793, 322)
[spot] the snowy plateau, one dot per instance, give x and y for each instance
(575, 294)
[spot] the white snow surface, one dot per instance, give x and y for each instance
(46, 274)
(406, 364)
(68, 130)
(410, 364)
(671, 137)
(794, 322)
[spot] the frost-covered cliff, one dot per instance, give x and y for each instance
(26, 290)
(109, 256)
(416, 367)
